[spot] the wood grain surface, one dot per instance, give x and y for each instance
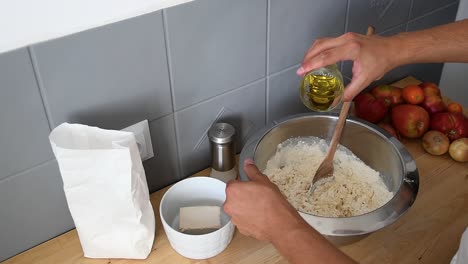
(428, 233)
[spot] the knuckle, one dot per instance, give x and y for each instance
(227, 208)
(350, 36)
(230, 189)
(233, 188)
(318, 43)
(306, 64)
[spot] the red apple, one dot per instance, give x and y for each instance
(413, 94)
(370, 108)
(455, 108)
(454, 125)
(433, 104)
(430, 88)
(389, 128)
(391, 94)
(411, 121)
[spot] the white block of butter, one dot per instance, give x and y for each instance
(199, 217)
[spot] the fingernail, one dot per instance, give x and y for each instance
(300, 71)
(249, 162)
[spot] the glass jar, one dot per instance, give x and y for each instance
(322, 89)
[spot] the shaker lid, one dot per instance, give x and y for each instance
(221, 133)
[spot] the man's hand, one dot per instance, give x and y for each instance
(258, 208)
(372, 57)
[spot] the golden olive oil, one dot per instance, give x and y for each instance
(321, 92)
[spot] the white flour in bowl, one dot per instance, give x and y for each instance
(356, 188)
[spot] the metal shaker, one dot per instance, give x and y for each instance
(221, 136)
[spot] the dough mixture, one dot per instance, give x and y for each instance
(356, 188)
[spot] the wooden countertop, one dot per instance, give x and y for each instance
(428, 233)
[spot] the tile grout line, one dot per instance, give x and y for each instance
(235, 89)
(23, 172)
(221, 94)
(168, 57)
(171, 89)
(433, 12)
(345, 27)
(392, 28)
(267, 62)
(40, 86)
(348, 4)
(410, 11)
(295, 66)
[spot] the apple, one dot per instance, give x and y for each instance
(413, 94)
(454, 125)
(391, 94)
(433, 104)
(389, 128)
(455, 108)
(411, 121)
(370, 108)
(430, 88)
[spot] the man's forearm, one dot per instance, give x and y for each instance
(446, 43)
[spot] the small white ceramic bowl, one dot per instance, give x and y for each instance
(196, 191)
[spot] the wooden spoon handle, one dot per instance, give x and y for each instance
(370, 30)
(338, 130)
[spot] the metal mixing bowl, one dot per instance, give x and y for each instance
(373, 145)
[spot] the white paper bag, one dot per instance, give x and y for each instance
(106, 190)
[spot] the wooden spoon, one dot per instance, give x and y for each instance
(324, 172)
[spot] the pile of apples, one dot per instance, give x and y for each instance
(417, 111)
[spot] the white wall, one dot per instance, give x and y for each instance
(25, 22)
(454, 79)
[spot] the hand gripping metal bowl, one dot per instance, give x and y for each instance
(370, 143)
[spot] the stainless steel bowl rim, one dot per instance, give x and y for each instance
(333, 226)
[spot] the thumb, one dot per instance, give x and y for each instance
(252, 171)
(354, 87)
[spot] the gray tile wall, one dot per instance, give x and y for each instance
(183, 69)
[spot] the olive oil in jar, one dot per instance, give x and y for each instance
(322, 89)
